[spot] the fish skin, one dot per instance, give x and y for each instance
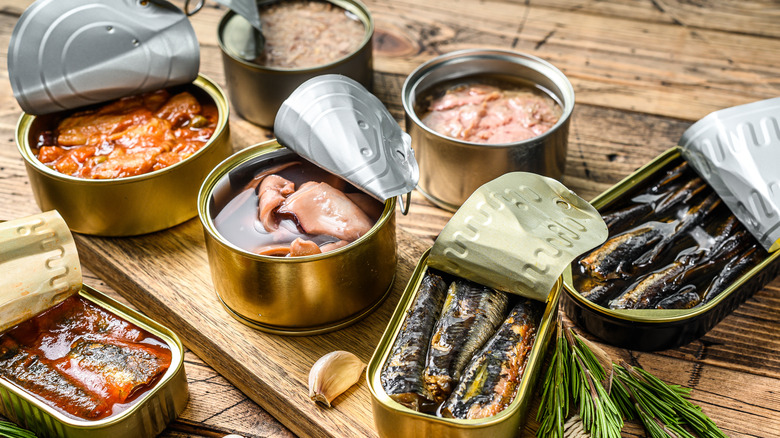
(402, 374)
(30, 372)
(122, 368)
(684, 299)
(733, 270)
(470, 316)
(491, 379)
(614, 259)
(664, 202)
(643, 293)
(654, 287)
(693, 217)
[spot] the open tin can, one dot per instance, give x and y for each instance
(45, 239)
(543, 227)
(298, 295)
(338, 138)
(131, 205)
(451, 168)
(257, 91)
(659, 329)
(114, 52)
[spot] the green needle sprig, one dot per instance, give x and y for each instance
(577, 374)
(10, 430)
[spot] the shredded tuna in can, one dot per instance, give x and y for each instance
(481, 113)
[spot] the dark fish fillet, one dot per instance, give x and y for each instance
(693, 217)
(28, 371)
(470, 316)
(619, 220)
(599, 292)
(652, 288)
(491, 379)
(663, 202)
(614, 259)
(685, 298)
(671, 177)
(733, 270)
(122, 368)
(402, 376)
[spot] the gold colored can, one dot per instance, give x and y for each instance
(132, 205)
(296, 295)
(147, 416)
(393, 419)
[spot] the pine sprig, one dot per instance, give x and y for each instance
(10, 430)
(668, 404)
(606, 397)
(599, 413)
(554, 407)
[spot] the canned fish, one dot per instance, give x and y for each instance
(696, 264)
(258, 82)
(126, 205)
(457, 160)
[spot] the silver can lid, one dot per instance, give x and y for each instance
(66, 54)
(737, 151)
(334, 122)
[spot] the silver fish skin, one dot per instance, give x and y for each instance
(402, 374)
(491, 379)
(470, 316)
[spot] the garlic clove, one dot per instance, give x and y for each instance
(333, 374)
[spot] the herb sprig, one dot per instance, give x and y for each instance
(605, 397)
(10, 430)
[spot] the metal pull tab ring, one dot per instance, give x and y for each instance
(405, 204)
(198, 7)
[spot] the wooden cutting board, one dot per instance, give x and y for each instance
(167, 275)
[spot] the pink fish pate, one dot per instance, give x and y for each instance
(487, 114)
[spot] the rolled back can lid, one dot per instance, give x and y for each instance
(517, 233)
(66, 54)
(737, 151)
(334, 122)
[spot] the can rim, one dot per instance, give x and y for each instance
(242, 157)
(409, 89)
(166, 335)
(354, 6)
(202, 82)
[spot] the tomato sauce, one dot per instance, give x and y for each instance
(83, 360)
(128, 137)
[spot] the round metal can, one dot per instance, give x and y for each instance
(294, 295)
(132, 205)
(451, 169)
(257, 91)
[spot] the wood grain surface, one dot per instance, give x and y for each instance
(642, 70)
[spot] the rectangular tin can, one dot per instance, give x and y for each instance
(149, 414)
(644, 330)
(392, 419)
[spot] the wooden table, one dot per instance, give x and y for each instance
(642, 71)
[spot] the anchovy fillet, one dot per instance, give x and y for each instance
(491, 379)
(470, 316)
(402, 375)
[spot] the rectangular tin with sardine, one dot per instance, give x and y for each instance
(463, 350)
(73, 362)
(696, 264)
